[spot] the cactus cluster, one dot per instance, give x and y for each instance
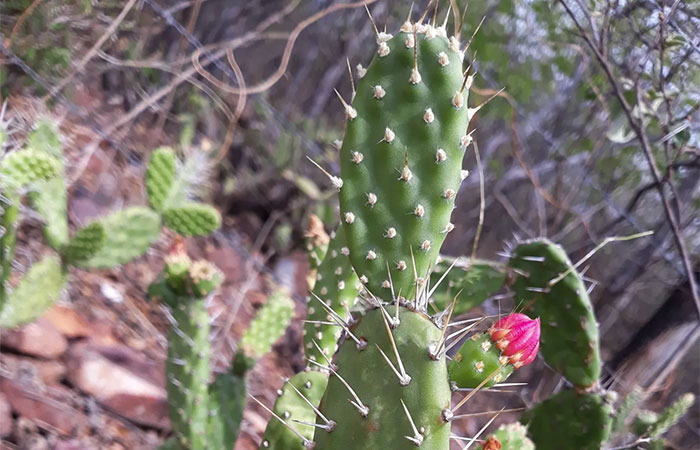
(37, 172)
(207, 415)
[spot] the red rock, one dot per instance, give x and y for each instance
(5, 416)
(68, 321)
(38, 338)
(48, 372)
(122, 381)
(50, 409)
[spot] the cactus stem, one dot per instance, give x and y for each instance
(329, 424)
(357, 403)
(307, 443)
(417, 437)
(361, 345)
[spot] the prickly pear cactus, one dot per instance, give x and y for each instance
(295, 405)
(268, 325)
(509, 437)
(489, 358)
(24, 167)
(84, 244)
(387, 391)
(474, 281)
(570, 342)
(128, 234)
(401, 158)
(336, 288)
(569, 421)
(192, 219)
(160, 176)
(36, 292)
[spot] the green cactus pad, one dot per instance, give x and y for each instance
(386, 424)
(291, 406)
(49, 199)
(192, 219)
(268, 326)
(474, 280)
(627, 406)
(477, 359)
(160, 174)
(128, 234)
(569, 421)
(37, 291)
(510, 437)
(187, 369)
(85, 243)
(570, 342)
(401, 158)
(671, 415)
(9, 208)
(337, 285)
(24, 167)
(227, 399)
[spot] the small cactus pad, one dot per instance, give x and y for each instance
(478, 359)
(570, 342)
(569, 421)
(227, 399)
(401, 158)
(293, 409)
(671, 415)
(49, 199)
(187, 369)
(512, 436)
(37, 291)
(21, 168)
(160, 174)
(474, 280)
(268, 325)
(85, 243)
(390, 406)
(192, 219)
(128, 234)
(337, 286)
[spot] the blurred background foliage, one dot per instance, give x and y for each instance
(560, 155)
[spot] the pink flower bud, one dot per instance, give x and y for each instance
(518, 338)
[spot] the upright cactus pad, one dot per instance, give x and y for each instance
(337, 286)
(570, 342)
(268, 325)
(192, 219)
(128, 234)
(293, 405)
(401, 158)
(85, 243)
(569, 421)
(187, 369)
(227, 399)
(509, 437)
(49, 199)
(36, 292)
(160, 175)
(380, 404)
(671, 415)
(474, 281)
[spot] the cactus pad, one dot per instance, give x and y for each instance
(292, 407)
(37, 291)
(569, 421)
(569, 329)
(192, 219)
(401, 158)
(128, 234)
(160, 174)
(474, 280)
(268, 325)
(337, 285)
(378, 418)
(478, 359)
(227, 398)
(21, 168)
(85, 243)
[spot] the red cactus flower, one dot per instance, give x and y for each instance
(518, 337)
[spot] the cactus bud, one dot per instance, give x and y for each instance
(205, 277)
(518, 337)
(177, 265)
